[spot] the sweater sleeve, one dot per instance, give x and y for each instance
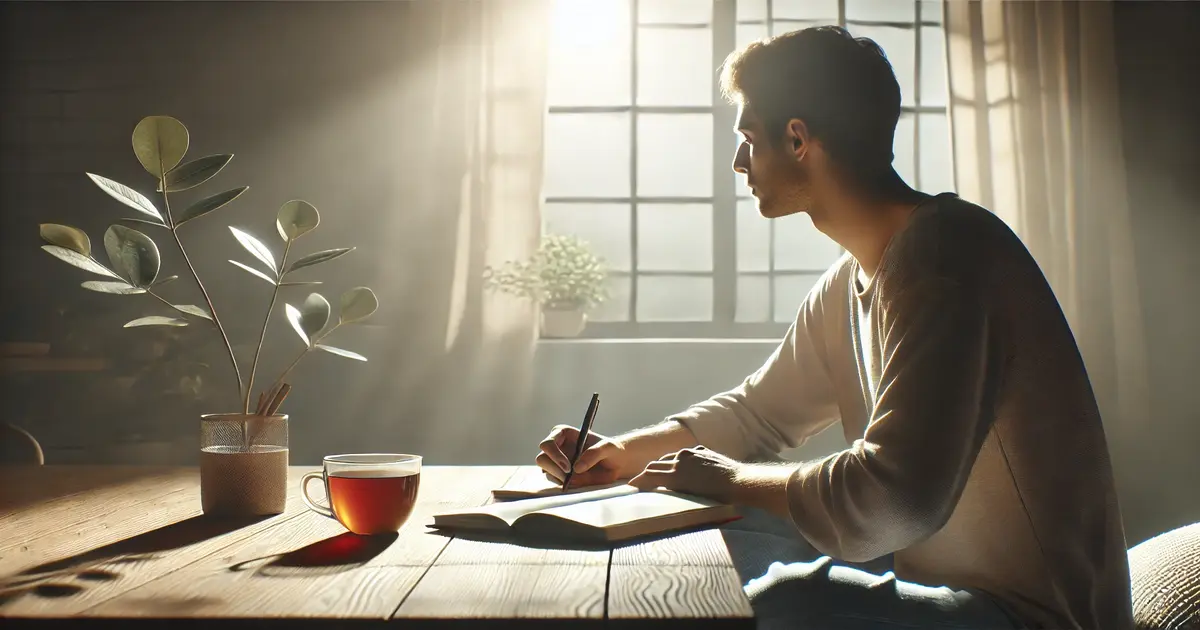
(899, 484)
(783, 403)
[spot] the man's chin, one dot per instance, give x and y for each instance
(774, 211)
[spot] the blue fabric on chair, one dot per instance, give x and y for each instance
(791, 585)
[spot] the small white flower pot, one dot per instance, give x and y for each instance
(563, 324)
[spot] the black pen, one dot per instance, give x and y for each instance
(584, 430)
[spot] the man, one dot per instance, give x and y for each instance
(976, 454)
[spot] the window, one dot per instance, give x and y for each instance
(639, 143)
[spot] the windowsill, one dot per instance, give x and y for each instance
(657, 340)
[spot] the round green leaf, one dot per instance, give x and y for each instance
(293, 316)
(357, 304)
(193, 310)
(314, 314)
(255, 247)
(116, 288)
(317, 258)
(86, 263)
(159, 143)
(254, 271)
(196, 172)
(208, 204)
(127, 196)
(296, 218)
(133, 254)
(155, 320)
(342, 352)
(66, 236)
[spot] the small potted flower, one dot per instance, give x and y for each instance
(563, 276)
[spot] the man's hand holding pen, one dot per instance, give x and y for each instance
(694, 470)
(603, 460)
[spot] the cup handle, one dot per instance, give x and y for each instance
(312, 505)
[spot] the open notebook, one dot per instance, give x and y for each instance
(533, 485)
(607, 514)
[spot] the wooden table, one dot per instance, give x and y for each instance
(85, 543)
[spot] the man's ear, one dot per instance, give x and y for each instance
(797, 137)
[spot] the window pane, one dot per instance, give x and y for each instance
(605, 226)
(902, 148)
(675, 237)
(675, 66)
(674, 11)
(751, 10)
(801, 247)
(747, 33)
(753, 299)
(675, 154)
(931, 11)
(790, 292)
(589, 60)
(933, 66)
(616, 307)
(937, 166)
(899, 45)
(674, 299)
(881, 10)
(753, 238)
(805, 9)
(602, 170)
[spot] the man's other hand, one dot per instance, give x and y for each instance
(698, 471)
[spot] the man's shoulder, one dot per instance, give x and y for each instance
(949, 211)
(950, 235)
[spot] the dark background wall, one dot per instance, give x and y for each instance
(1158, 54)
(314, 100)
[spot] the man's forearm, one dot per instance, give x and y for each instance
(764, 486)
(643, 446)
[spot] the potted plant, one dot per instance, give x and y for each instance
(243, 453)
(563, 276)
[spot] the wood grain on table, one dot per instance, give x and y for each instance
(99, 543)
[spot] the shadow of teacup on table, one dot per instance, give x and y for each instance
(335, 554)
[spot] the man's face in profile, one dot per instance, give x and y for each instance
(774, 167)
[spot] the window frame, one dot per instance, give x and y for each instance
(725, 196)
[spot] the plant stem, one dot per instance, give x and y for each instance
(263, 334)
(208, 300)
(312, 345)
(160, 298)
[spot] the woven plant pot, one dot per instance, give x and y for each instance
(243, 464)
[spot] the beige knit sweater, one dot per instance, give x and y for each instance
(976, 452)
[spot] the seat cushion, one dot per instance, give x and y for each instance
(1165, 574)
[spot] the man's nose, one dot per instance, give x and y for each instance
(741, 159)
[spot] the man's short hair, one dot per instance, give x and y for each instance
(842, 87)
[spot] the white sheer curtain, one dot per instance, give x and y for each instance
(457, 366)
(1037, 139)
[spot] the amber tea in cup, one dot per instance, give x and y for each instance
(369, 493)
